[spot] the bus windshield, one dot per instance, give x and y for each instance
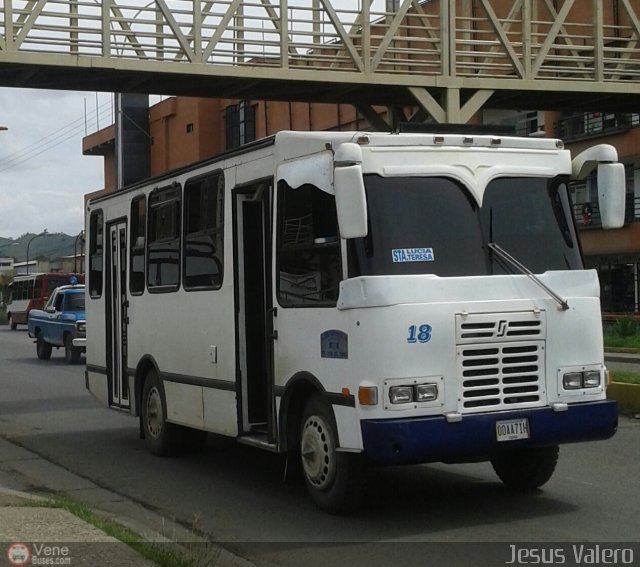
(432, 225)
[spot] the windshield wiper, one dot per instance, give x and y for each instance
(502, 253)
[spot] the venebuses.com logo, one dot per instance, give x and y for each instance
(18, 553)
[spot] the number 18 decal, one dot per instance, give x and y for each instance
(419, 333)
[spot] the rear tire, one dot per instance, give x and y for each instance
(526, 469)
(43, 348)
(13, 325)
(334, 479)
(160, 436)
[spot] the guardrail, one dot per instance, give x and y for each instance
(566, 40)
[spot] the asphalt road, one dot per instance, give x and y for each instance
(236, 494)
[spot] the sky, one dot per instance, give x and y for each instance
(43, 174)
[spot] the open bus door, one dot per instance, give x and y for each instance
(255, 312)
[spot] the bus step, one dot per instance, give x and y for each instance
(258, 440)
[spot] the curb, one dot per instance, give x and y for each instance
(624, 358)
(622, 350)
(22, 495)
(29, 470)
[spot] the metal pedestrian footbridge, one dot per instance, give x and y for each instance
(446, 58)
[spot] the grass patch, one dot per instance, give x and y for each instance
(625, 376)
(622, 333)
(159, 553)
(616, 341)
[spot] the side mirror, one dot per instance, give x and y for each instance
(611, 194)
(351, 199)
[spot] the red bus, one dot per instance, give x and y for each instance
(31, 292)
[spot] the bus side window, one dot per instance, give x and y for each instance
(96, 227)
(309, 261)
(203, 232)
(137, 245)
(163, 239)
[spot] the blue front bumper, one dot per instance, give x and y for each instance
(433, 439)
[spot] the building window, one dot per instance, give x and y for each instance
(309, 261)
(163, 235)
(204, 231)
(618, 287)
(96, 242)
(582, 125)
(137, 245)
(239, 124)
(189, 127)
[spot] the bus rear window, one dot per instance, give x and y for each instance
(96, 228)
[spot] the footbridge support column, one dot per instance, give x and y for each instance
(452, 111)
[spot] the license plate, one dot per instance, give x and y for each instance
(512, 429)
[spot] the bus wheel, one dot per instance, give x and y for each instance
(71, 353)
(43, 348)
(159, 435)
(334, 479)
(526, 469)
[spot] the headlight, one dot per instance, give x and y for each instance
(81, 326)
(408, 394)
(572, 380)
(578, 380)
(591, 379)
(426, 392)
(401, 394)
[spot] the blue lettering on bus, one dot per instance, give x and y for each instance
(412, 255)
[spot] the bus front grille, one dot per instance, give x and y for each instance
(501, 376)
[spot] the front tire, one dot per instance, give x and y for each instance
(334, 479)
(526, 469)
(43, 348)
(71, 353)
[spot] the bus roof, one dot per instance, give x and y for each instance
(292, 144)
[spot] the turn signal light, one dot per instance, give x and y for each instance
(368, 395)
